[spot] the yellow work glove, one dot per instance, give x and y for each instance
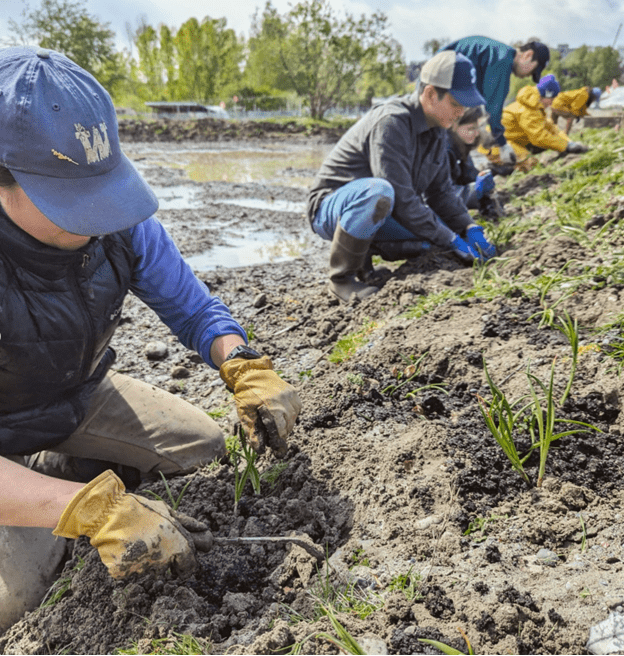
(132, 534)
(267, 405)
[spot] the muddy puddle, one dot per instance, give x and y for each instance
(264, 181)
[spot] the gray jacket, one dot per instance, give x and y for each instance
(393, 141)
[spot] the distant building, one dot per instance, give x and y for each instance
(564, 49)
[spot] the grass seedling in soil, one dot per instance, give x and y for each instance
(408, 584)
(501, 420)
(409, 373)
(542, 424)
(174, 501)
(60, 587)
(348, 345)
(343, 640)
(271, 475)
(479, 525)
(446, 649)
(570, 329)
(178, 644)
(239, 450)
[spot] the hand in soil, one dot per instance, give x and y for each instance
(132, 534)
(267, 405)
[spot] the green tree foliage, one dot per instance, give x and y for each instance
(66, 26)
(584, 66)
(198, 62)
(433, 46)
(324, 58)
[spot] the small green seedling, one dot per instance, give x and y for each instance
(178, 644)
(542, 425)
(348, 345)
(446, 649)
(408, 374)
(174, 501)
(479, 525)
(408, 584)
(359, 558)
(239, 450)
(343, 640)
(501, 419)
(272, 474)
(570, 329)
(219, 413)
(62, 585)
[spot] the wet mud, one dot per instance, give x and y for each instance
(390, 470)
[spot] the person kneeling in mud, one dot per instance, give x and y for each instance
(368, 194)
(529, 130)
(475, 188)
(78, 234)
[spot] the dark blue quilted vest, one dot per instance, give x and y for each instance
(58, 312)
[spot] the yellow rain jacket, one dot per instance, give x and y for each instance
(572, 102)
(525, 122)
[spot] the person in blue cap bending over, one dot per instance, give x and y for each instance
(494, 63)
(78, 234)
(380, 188)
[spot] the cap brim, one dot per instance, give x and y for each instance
(92, 206)
(468, 98)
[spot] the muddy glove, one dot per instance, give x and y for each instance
(576, 147)
(463, 250)
(476, 239)
(267, 406)
(484, 184)
(507, 154)
(131, 533)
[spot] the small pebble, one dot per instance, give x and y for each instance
(156, 351)
(180, 372)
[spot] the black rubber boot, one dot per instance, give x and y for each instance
(346, 258)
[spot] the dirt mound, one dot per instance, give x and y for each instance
(391, 469)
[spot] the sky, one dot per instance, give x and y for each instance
(412, 22)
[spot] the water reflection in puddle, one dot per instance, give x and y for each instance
(179, 197)
(259, 204)
(255, 248)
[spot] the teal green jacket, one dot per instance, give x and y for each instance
(493, 62)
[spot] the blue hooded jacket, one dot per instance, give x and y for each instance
(493, 62)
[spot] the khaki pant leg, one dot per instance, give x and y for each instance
(29, 559)
(138, 425)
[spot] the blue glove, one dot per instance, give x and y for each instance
(463, 250)
(484, 184)
(477, 241)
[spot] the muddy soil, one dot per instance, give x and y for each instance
(390, 470)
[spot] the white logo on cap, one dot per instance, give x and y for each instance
(473, 76)
(100, 149)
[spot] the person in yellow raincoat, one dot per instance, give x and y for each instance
(529, 130)
(571, 105)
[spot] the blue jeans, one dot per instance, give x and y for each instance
(355, 206)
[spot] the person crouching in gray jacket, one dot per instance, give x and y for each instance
(370, 189)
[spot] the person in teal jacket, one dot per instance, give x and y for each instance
(494, 63)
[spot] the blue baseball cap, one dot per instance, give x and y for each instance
(59, 138)
(453, 71)
(548, 86)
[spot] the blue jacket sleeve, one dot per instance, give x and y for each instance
(167, 284)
